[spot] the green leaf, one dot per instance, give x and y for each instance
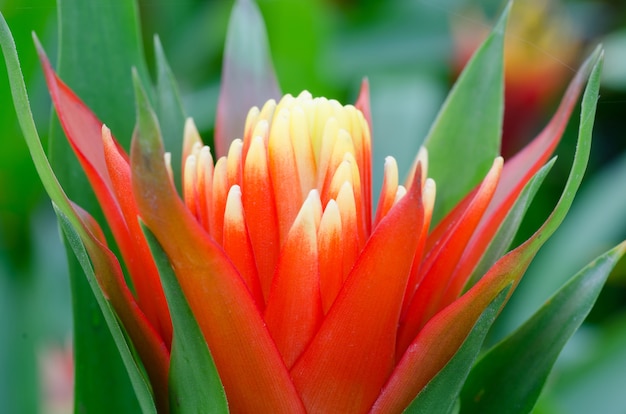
(592, 377)
(195, 385)
(99, 43)
(169, 109)
(465, 137)
(139, 382)
(97, 315)
(442, 392)
(21, 190)
(503, 238)
(529, 248)
(509, 378)
(598, 217)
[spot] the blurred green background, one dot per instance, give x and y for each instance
(410, 51)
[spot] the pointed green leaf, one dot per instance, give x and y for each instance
(119, 395)
(169, 109)
(509, 378)
(99, 42)
(593, 379)
(442, 392)
(598, 217)
(20, 197)
(195, 385)
(465, 137)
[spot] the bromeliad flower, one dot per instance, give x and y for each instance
(309, 299)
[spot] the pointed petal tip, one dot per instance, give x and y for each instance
(158, 47)
(429, 192)
(147, 130)
(363, 101)
(504, 17)
(38, 46)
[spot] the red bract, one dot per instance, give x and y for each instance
(308, 299)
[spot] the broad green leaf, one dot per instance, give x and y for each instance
(99, 42)
(509, 378)
(169, 109)
(18, 314)
(298, 32)
(195, 385)
(591, 377)
(465, 137)
(139, 383)
(503, 238)
(442, 392)
(21, 190)
(248, 77)
(98, 316)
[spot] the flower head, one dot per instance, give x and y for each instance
(289, 272)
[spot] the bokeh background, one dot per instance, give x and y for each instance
(411, 51)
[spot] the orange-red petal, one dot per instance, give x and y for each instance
(251, 369)
(294, 309)
(351, 356)
(437, 275)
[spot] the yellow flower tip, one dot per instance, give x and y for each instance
(234, 162)
(267, 112)
(191, 138)
(311, 213)
(389, 190)
(499, 161)
(298, 149)
(346, 203)
(233, 213)
(428, 197)
(306, 95)
(261, 130)
(235, 147)
(189, 182)
(105, 131)
(391, 169)
(205, 159)
(400, 192)
(167, 158)
(342, 175)
(251, 120)
(315, 132)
